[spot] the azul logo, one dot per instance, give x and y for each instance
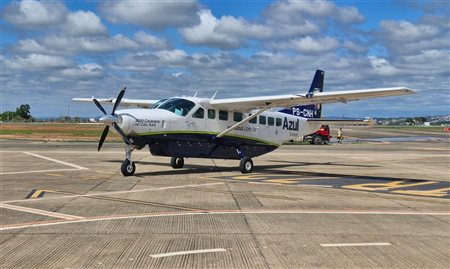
(290, 124)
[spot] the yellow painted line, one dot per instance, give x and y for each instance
(386, 186)
(36, 194)
(432, 193)
(55, 175)
(282, 181)
(250, 177)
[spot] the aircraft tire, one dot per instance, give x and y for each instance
(177, 162)
(246, 165)
(317, 140)
(128, 168)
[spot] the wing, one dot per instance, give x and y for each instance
(289, 100)
(144, 103)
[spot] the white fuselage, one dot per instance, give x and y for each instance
(278, 127)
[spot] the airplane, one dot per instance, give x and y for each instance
(231, 128)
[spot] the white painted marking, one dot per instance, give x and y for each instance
(40, 212)
(56, 161)
(175, 214)
(110, 193)
(169, 254)
(355, 244)
(38, 171)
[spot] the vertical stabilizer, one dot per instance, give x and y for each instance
(313, 110)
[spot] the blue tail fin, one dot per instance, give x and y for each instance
(309, 111)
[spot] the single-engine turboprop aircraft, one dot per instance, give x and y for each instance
(232, 128)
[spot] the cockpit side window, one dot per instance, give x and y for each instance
(178, 106)
(200, 113)
(155, 105)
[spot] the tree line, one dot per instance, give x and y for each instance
(22, 113)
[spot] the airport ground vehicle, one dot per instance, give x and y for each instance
(319, 137)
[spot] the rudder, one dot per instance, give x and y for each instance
(313, 110)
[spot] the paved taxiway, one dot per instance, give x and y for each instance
(372, 205)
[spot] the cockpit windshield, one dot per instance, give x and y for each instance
(178, 106)
(157, 104)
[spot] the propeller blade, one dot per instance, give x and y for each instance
(121, 133)
(103, 137)
(99, 106)
(118, 100)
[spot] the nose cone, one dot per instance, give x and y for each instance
(108, 119)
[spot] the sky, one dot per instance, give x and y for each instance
(53, 51)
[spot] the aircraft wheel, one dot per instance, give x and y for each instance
(246, 165)
(128, 168)
(177, 162)
(317, 140)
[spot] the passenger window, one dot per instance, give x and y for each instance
(199, 114)
(223, 115)
(237, 116)
(262, 120)
(279, 122)
(253, 120)
(271, 121)
(211, 113)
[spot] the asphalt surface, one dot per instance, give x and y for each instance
(369, 205)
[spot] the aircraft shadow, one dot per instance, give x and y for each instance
(273, 169)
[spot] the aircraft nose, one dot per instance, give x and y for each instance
(108, 119)
(125, 122)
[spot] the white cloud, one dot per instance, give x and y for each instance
(83, 23)
(152, 14)
(35, 62)
(99, 44)
(205, 33)
(85, 71)
(172, 57)
(405, 31)
(35, 14)
(308, 44)
(293, 10)
(229, 32)
(150, 40)
(408, 38)
(382, 66)
(63, 44)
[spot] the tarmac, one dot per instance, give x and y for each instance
(353, 205)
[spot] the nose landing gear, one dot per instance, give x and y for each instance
(128, 166)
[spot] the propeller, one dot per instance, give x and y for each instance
(111, 119)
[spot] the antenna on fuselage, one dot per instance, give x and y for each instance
(214, 95)
(195, 94)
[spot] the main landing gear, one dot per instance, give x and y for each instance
(177, 162)
(246, 165)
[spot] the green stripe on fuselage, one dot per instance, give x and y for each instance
(208, 133)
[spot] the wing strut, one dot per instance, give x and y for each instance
(245, 120)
